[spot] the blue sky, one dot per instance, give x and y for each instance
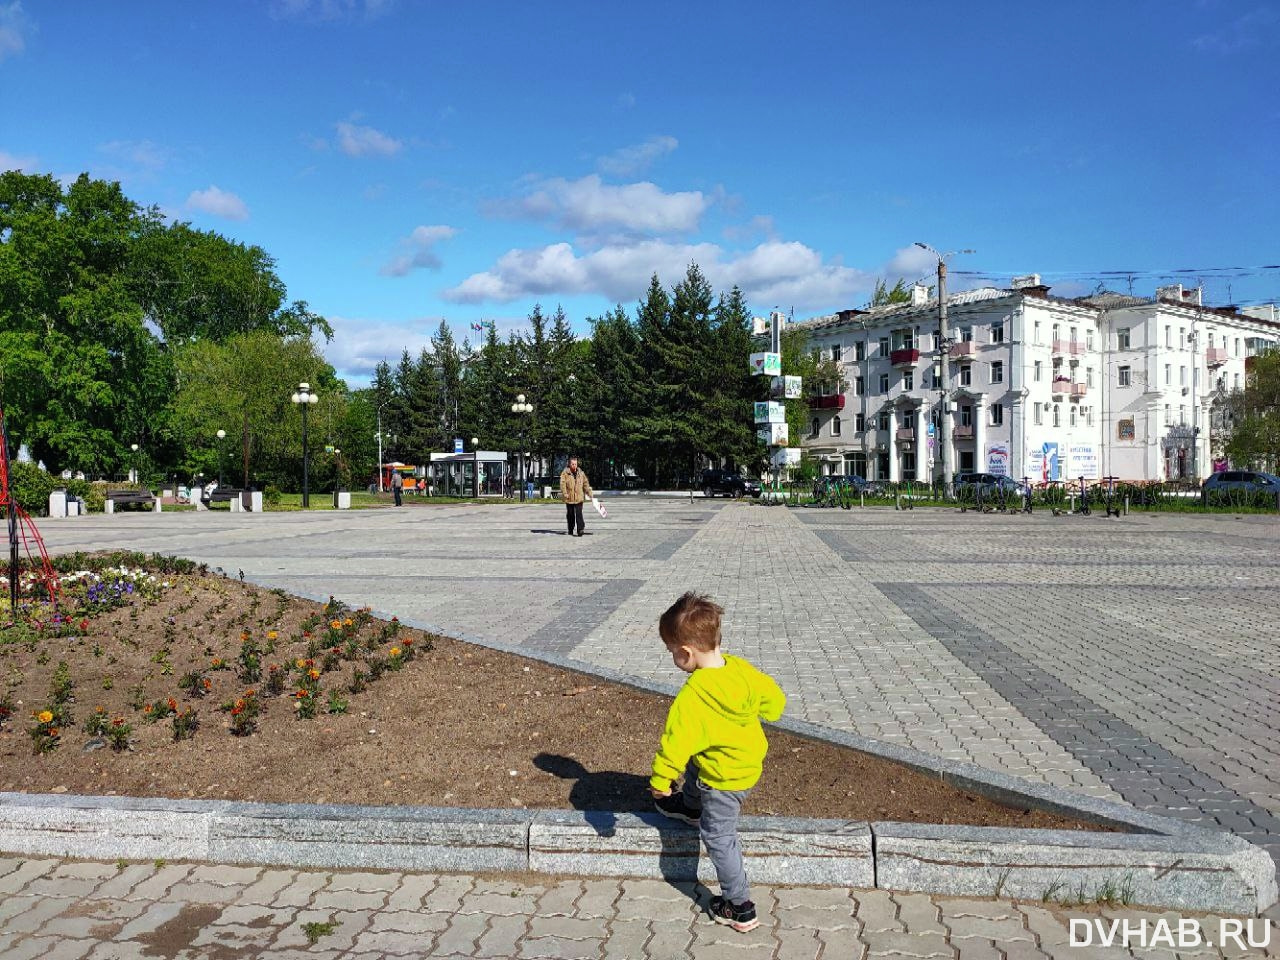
(406, 161)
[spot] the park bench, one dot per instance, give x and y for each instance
(127, 498)
(222, 495)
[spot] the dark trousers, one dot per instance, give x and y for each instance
(574, 516)
(398, 492)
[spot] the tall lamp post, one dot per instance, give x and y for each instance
(520, 407)
(222, 435)
(305, 398)
(944, 363)
(134, 448)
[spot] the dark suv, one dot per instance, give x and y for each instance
(1252, 481)
(729, 484)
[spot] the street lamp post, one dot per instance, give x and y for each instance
(520, 407)
(134, 448)
(222, 435)
(944, 363)
(305, 398)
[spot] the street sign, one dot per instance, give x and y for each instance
(457, 445)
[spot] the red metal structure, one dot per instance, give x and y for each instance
(23, 534)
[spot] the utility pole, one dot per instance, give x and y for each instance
(944, 365)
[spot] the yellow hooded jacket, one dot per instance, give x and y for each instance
(715, 719)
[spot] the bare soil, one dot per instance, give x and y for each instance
(460, 725)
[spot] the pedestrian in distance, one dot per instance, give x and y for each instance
(714, 739)
(574, 490)
(397, 487)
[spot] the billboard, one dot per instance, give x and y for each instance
(770, 412)
(1082, 461)
(1043, 463)
(785, 388)
(774, 434)
(785, 457)
(997, 459)
(768, 364)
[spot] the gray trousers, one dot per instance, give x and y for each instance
(718, 827)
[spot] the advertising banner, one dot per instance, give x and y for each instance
(998, 459)
(769, 412)
(774, 434)
(1082, 461)
(785, 457)
(785, 388)
(766, 364)
(1043, 463)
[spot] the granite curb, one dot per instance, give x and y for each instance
(1188, 871)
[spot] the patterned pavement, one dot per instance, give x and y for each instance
(59, 910)
(1134, 659)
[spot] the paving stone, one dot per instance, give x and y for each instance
(462, 934)
(566, 928)
(670, 938)
(235, 937)
(27, 871)
(159, 883)
(975, 949)
(348, 900)
(395, 942)
(598, 898)
(505, 934)
(987, 909)
(155, 915)
(796, 944)
(37, 912)
(410, 892)
(918, 913)
(122, 882)
(447, 895)
(813, 918)
(365, 882)
(555, 948)
(1004, 930)
(48, 948)
(651, 890)
(406, 921)
(814, 898)
(350, 925)
(500, 903)
(225, 876)
(210, 893)
(844, 944)
(559, 900)
(297, 893)
(252, 914)
(627, 939)
(93, 919)
(896, 944)
(877, 911)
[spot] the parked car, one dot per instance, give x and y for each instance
(987, 485)
(1251, 481)
(729, 484)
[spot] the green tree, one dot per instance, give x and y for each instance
(1255, 415)
(885, 295)
(448, 365)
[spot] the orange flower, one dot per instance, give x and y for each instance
(244, 636)
(395, 651)
(313, 674)
(173, 705)
(301, 694)
(45, 716)
(147, 708)
(239, 705)
(272, 635)
(236, 711)
(248, 694)
(117, 721)
(207, 683)
(348, 622)
(100, 710)
(335, 624)
(408, 641)
(53, 731)
(299, 664)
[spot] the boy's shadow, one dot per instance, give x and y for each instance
(601, 796)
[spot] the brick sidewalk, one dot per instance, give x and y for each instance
(61, 910)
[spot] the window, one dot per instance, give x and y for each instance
(884, 420)
(908, 380)
(1182, 338)
(813, 427)
(1122, 338)
(1182, 415)
(997, 332)
(966, 334)
(1073, 416)
(1039, 370)
(835, 352)
(1210, 339)
(1088, 339)
(1168, 336)
(828, 388)
(1056, 331)
(883, 346)
(1126, 376)
(860, 350)
(1182, 376)
(884, 383)
(1057, 415)
(1237, 346)
(859, 386)
(997, 414)
(835, 426)
(1237, 383)
(1036, 334)
(1088, 414)
(1168, 374)
(966, 375)
(1075, 335)
(997, 372)
(1168, 417)
(1088, 377)
(1037, 413)
(859, 422)
(966, 416)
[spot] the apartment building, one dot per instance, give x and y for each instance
(1046, 387)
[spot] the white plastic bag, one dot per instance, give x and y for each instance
(600, 507)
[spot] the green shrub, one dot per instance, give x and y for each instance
(31, 486)
(93, 494)
(271, 495)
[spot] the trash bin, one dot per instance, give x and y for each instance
(58, 503)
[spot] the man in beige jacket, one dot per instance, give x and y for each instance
(574, 490)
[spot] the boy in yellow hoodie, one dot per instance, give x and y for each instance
(714, 738)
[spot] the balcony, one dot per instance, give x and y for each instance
(906, 357)
(1074, 347)
(964, 348)
(1215, 356)
(1078, 390)
(962, 431)
(1063, 386)
(906, 435)
(834, 401)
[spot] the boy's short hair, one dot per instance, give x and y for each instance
(694, 621)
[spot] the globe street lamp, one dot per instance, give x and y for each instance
(305, 398)
(222, 435)
(520, 407)
(134, 448)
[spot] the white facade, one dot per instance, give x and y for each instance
(1042, 387)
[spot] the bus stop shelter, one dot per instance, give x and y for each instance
(480, 473)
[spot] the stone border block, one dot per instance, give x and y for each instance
(1217, 872)
(777, 849)
(327, 835)
(103, 828)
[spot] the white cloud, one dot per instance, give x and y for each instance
(143, 154)
(219, 203)
(360, 343)
(358, 141)
(910, 263)
(418, 251)
(1248, 30)
(771, 273)
(17, 161)
(591, 206)
(14, 25)
(628, 161)
(758, 226)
